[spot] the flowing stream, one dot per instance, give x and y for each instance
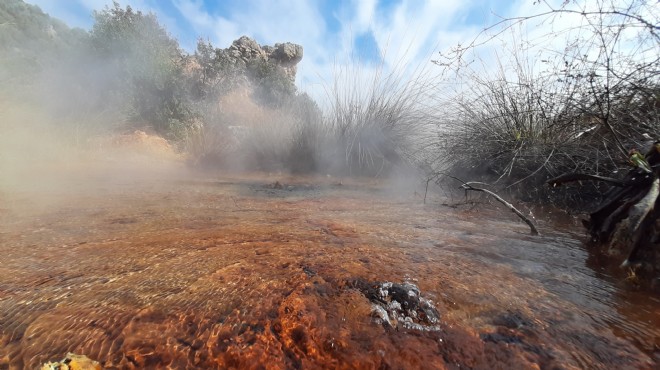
(259, 272)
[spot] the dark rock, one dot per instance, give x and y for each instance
(399, 305)
(511, 320)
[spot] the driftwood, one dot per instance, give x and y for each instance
(626, 221)
(469, 186)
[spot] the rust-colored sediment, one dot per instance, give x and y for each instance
(239, 274)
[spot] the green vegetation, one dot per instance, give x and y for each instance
(142, 66)
(126, 73)
(234, 108)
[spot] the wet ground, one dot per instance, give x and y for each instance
(275, 272)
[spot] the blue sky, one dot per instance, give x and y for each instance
(189, 19)
(374, 33)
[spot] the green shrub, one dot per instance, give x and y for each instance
(143, 69)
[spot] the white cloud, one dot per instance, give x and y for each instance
(364, 11)
(193, 12)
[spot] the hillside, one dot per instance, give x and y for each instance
(31, 40)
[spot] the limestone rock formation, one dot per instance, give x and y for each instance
(241, 64)
(246, 49)
(285, 55)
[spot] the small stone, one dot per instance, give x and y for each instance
(73, 362)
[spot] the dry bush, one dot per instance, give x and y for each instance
(240, 134)
(518, 129)
(544, 113)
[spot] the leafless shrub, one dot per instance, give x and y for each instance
(546, 112)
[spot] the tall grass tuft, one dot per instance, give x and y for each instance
(383, 119)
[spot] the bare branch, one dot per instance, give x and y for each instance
(468, 186)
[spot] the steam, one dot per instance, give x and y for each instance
(99, 111)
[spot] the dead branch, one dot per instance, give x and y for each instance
(569, 177)
(537, 170)
(468, 186)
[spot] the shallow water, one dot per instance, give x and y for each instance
(256, 272)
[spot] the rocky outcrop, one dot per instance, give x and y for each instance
(267, 72)
(285, 55)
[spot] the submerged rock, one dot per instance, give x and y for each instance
(73, 362)
(400, 305)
